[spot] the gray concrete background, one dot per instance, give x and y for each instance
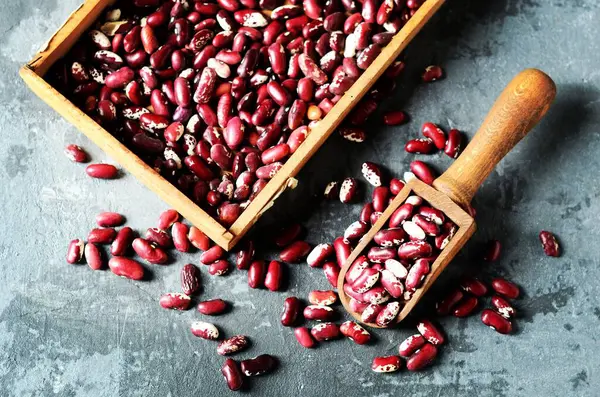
(68, 331)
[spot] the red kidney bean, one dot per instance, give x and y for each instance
(356, 269)
(435, 134)
(102, 236)
(355, 332)
(380, 255)
(501, 305)
(411, 344)
(428, 227)
(376, 295)
(444, 306)
(190, 279)
(175, 300)
(258, 365)
(381, 195)
(386, 364)
(419, 146)
(198, 239)
(422, 357)
(496, 321)
(466, 306)
(232, 374)
(126, 267)
(432, 214)
(93, 256)
(370, 313)
(395, 118)
(158, 237)
(332, 273)
(353, 134)
(76, 154)
(422, 171)
(102, 171)
(148, 252)
(417, 273)
(273, 277)
(342, 250)
(348, 190)
(492, 251)
(365, 281)
(318, 312)
(109, 219)
(355, 231)
(396, 268)
(275, 153)
(256, 274)
(167, 218)
(474, 286)
(179, 232)
(357, 306)
(430, 332)
(294, 252)
(388, 314)
(245, 255)
(506, 288)
(291, 311)
(75, 251)
(392, 237)
(549, 243)
(414, 250)
(400, 215)
(205, 330)
(287, 235)
(319, 254)
(325, 331)
(304, 337)
(122, 241)
(211, 255)
(232, 345)
(392, 284)
(366, 212)
(212, 307)
(432, 73)
(372, 173)
(218, 268)
(323, 298)
(366, 57)
(453, 144)
(353, 294)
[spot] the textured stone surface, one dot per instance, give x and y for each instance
(68, 331)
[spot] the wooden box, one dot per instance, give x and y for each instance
(84, 17)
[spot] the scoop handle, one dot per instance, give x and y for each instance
(517, 110)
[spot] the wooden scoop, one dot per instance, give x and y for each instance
(516, 111)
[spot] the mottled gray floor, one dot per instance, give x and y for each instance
(66, 331)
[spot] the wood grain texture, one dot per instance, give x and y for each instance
(78, 23)
(516, 111)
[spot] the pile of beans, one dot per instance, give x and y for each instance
(217, 95)
(419, 350)
(398, 260)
